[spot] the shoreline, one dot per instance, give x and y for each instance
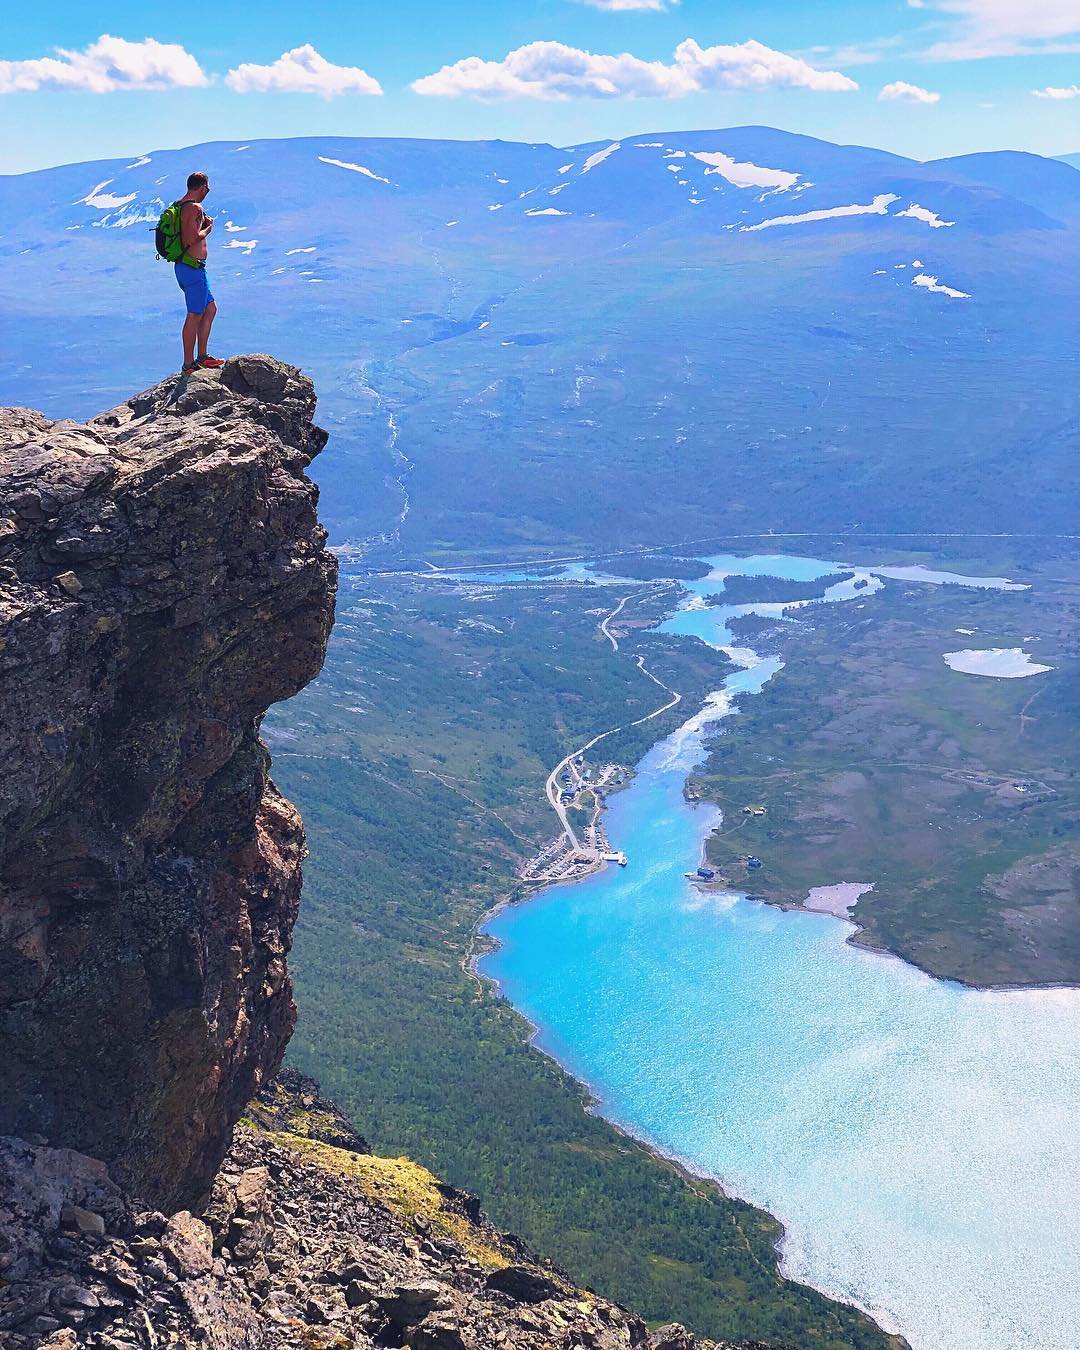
(592, 1094)
(593, 1103)
(481, 944)
(859, 938)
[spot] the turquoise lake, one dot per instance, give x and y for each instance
(919, 1140)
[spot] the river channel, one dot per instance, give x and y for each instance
(918, 1139)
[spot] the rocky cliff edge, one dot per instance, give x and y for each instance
(309, 1242)
(163, 581)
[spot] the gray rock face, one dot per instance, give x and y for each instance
(163, 581)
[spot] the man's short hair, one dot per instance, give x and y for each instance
(197, 180)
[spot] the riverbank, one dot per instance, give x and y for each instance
(695, 1176)
(778, 1057)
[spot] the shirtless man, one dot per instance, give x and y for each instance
(195, 226)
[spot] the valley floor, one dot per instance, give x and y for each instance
(418, 760)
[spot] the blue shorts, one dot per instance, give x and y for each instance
(192, 281)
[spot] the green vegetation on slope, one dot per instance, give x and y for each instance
(418, 760)
(955, 794)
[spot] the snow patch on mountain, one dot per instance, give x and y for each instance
(147, 213)
(356, 168)
(1001, 663)
(105, 201)
(600, 156)
(878, 207)
(917, 212)
(930, 283)
(744, 173)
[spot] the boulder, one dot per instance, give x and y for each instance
(524, 1284)
(189, 1245)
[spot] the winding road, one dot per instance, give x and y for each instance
(551, 787)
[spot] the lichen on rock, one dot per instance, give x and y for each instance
(163, 581)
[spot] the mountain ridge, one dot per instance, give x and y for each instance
(474, 287)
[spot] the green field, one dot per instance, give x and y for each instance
(956, 795)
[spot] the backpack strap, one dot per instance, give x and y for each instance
(181, 202)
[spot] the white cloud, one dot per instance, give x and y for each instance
(752, 65)
(302, 71)
(552, 70)
(1005, 27)
(108, 64)
(902, 92)
(1057, 91)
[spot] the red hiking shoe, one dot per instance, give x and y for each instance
(209, 363)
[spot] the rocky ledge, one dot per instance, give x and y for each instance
(309, 1242)
(163, 581)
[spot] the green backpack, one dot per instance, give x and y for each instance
(167, 238)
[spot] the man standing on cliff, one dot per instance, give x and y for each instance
(195, 227)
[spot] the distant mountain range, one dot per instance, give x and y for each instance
(626, 341)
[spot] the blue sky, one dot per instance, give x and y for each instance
(83, 82)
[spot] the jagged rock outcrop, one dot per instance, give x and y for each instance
(309, 1243)
(163, 581)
